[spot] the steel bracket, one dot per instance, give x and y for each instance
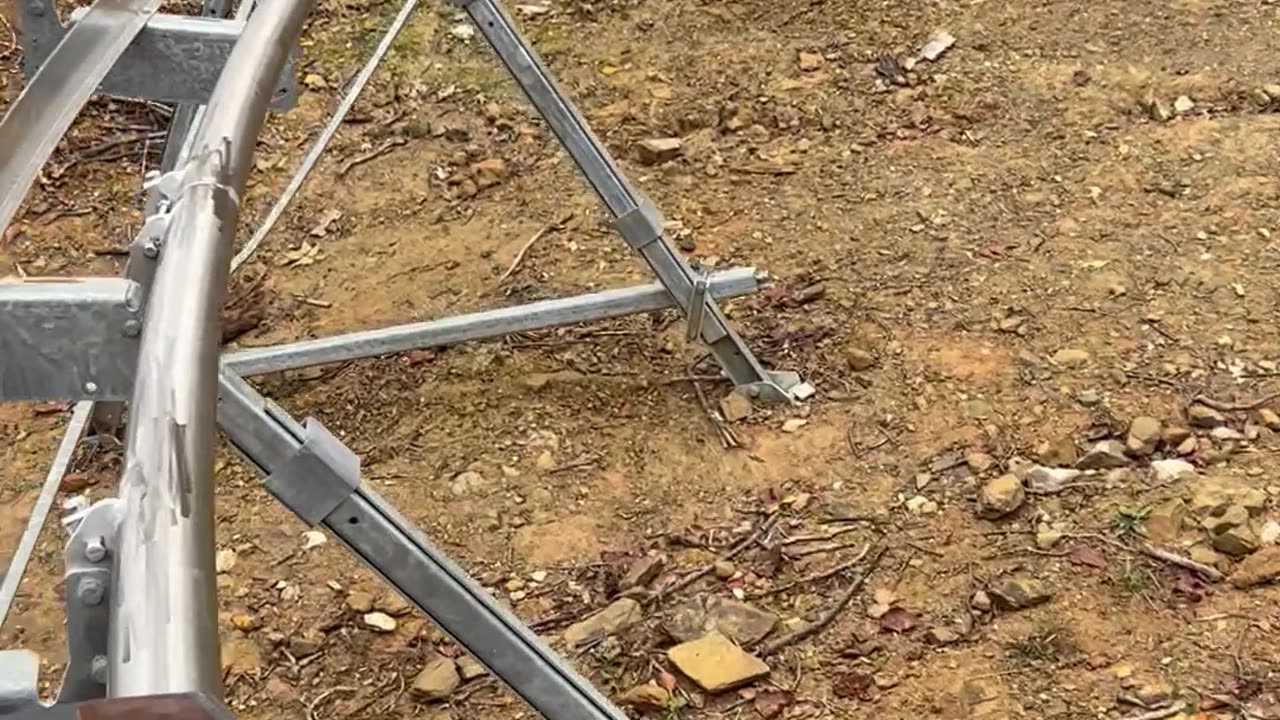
(69, 339)
(319, 477)
(175, 59)
(88, 589)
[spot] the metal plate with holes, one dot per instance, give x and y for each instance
(68, 339)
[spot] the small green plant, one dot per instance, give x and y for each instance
(1132, 519)
(675, 704)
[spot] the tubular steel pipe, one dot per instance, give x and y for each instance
(164, 630)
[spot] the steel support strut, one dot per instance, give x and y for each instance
(636, 219)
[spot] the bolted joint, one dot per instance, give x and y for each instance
(98, 669)
(91, 591)
(95, 549)
(132, 328)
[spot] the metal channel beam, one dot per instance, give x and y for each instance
(313, 474)
(68, 340)
(478, 326)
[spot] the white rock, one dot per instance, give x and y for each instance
(794, 424)
(313, 539)
(225, 560)
(1170, 470)
(1183, 105)
(462, 31)
(1270, 533)
(1041, 480)
(380, 621)
(922, 505)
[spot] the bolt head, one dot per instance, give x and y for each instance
(90, 387)
(151, 250)
(95, 550)
(98, 669)
(91, 591)
(132, 328)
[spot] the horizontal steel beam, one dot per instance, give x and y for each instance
(479, 325)
(68, 339)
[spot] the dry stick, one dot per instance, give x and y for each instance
(1159, 713)
(1209, 573)
(311, 707)
(819, 550)
(733, 552)
(520, 255)
(827, 617)
(816, 577)
(1233, 407)
(728, 438)
(815, 537)
(377, 152)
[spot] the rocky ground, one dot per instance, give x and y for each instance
(1024, 251)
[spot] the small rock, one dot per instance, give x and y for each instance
(1088, 398)
(488, 173)
(716, 664)
(462, 31)
(465, 483)
(1000, 497)
(313, 539)
(1270, 533)
(656, 151)
(1230, 517)
(359, 602)
(1258, 569)
(1183, 105)
(1144, 437)
(810, 62)
(1204, 555)
(469, 668)
(1159, 111)
(642, 572)
(1226, 434)
(437, 679)
(650, 696)
(244, 623)
(941, 636)
(1269, 418)
(1047, 537)
(922, 505)
(1236, 542)
(393, 605)
(1060, 452)
(735, 406)
(1164, 524)
(981, 601)
(621, 614)
(1154, 694)
(860, 360)
(1187, 447)
(1167, 471)
(225, 561)
(241, 656)
(979, 462)
(742, 623)
(1272, 90)
(1042, 480)
(985, 699)
(1018, 593)
(794, 424)
(305, 645)
(1071, 357)
(1202, 416)
(1104, 455)
(1175, 435)
(380, 621)
(723, 569)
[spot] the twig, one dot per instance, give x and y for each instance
(382, 149)
(822, 549)
(733, 552)
(815, 577)
(525, 248)
(828, 616)
(728, 438)
(1159, 713)
(1208, 573)
(311, 707)
(820, 536)
(1233, 407)
(13, 37)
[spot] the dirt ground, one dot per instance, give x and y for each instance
(985, 263)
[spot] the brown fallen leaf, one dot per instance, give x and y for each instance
(770, 703)
(897, 620)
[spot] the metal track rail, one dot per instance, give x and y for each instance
(164, 631)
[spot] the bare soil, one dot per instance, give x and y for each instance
(938, 237)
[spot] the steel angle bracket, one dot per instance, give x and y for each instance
(68, 339)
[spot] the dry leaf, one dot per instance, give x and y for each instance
(897, 620)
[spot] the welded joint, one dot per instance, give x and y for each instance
(319, 477)
(641, 225)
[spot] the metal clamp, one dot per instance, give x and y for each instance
(88, 588)
(640, 225)
(319, 477)
(698, 303)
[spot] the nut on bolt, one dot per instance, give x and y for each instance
(98, 669)
(95, 549)
(91, 591)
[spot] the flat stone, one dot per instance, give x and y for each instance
(735, 407)
(1047, 537)
(1104, 455)
(1212, 495)
(1042, 480)
(306, 644)
(716, 664)
(1175, 435)
(642, 572)
(1204, 554)
(360, 602)
(241, 656)
(1164, 524)
(1202, 416)
(1071, 357)
(1154, 694)
(1230, 517)
(392, 604)
(1171, 470)
(941, 636)
(1059, 452)
(810, 62)
(1236, 542)
(466, 483)
(860, 359)
(224, 561)
(1269, 418)
(979, 462)
(650, 696)
(469, 668)
(1018, 593)
(1000, 497)
(379, 621)
(437, 679)
(656, 151)
(1183, 105)
(1259, 568)
(1226, 434)
(1144, 437)
(617, 616)
(742, 623)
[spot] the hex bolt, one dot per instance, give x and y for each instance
(90, 387)
(151, 249)
(36, 8)
(132, 328)
(91, 591)
(95, 549)
(98, 669)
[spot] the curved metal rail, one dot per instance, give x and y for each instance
(164, 631)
